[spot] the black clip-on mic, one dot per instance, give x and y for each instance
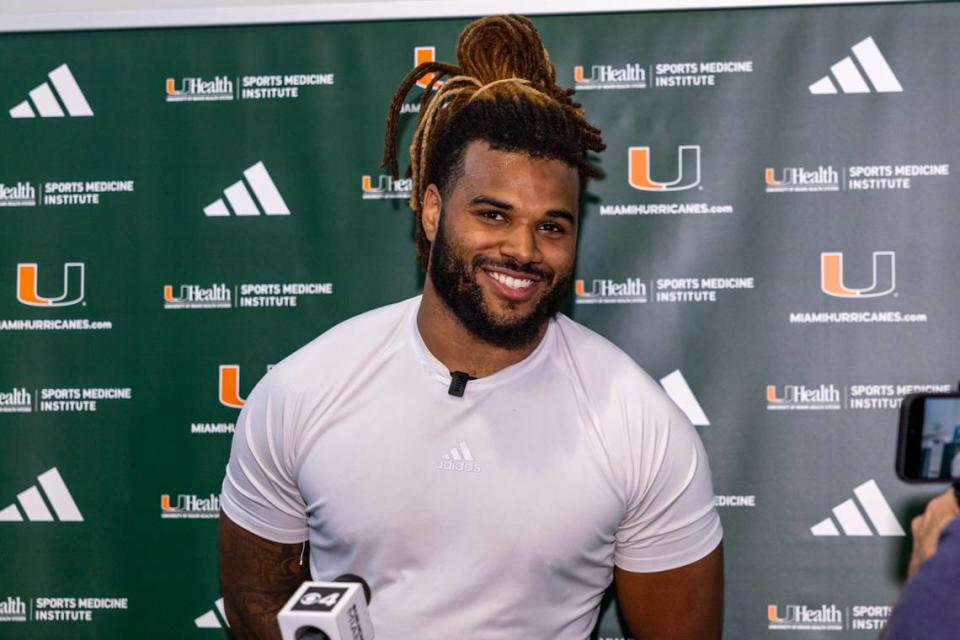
(458, 383)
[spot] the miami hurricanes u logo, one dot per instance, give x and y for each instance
(770, 177)
(772, 394)
(773, 614)
(168, 294)
(884, 276)
(165, 504)
(171, 86)
(421, 55)
(230, 386)
(688, 169)
(28, 291)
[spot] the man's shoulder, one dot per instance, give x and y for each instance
(608, 374)
(598, 355)
(345, 345)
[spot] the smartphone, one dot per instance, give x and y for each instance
(928, 449)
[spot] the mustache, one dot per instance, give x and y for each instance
(543, 273)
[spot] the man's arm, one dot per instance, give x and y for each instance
(257, 577)
(679, 604)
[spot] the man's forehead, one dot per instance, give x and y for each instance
(517, 174)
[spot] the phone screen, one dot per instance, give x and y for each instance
(940, 439)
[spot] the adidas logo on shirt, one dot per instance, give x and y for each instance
(459, 459)
(45, 99)
(849, 77)
(209, 620)
(851, 520)
(31, 501)
(242, 203)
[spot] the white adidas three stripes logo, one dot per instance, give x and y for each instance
(36, 509)
(849, 78)
(460, 458)
(460, 452)
(852, 522)
(242, 203)
(209, 620)
(46, 103)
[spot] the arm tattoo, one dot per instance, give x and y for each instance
(257, 578)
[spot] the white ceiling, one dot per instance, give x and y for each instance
(39, 15)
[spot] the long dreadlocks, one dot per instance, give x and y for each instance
(503, 92)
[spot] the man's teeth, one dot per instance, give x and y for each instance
(513, 283)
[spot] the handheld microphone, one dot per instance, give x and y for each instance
(328, 611)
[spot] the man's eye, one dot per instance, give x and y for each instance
(552, 227)
(491, 215)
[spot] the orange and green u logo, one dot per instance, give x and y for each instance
(229, 390)
(688, 169)
(832, 280)
(28, 290)
(421, 55)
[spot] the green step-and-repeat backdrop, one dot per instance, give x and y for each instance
(775, 240)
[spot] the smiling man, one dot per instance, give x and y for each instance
(487, 464)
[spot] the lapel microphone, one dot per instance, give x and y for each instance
(458, 383)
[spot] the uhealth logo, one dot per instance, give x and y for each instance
(682, 395)
(18, 400)
(799, 617)
(210, 620)
(188, 506)
(852, 522)
(216, 296)
(607, 291)
(13, 609)
(46, 103)
(21, 194)
(28, 291)
(387, 187)
(31, 501)
(801, 397)
(229, 386)
(849, 78)
(199, 90)
(242, 203)
(832, 280)
(798, 179)
(688, 170)
(605, 76)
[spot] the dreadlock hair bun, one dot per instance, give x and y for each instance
(504, 91)
(504, 47)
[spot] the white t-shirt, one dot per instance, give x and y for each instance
(495, 516)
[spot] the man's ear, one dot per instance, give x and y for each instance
(430, 211)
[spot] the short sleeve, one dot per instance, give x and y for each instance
(260, 491)
(670, 518)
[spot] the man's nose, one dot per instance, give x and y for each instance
(521, 245)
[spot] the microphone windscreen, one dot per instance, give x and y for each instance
(310, 633)
(351, 577)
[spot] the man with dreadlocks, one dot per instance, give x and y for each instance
(487, 464)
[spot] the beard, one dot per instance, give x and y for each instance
(456, 284)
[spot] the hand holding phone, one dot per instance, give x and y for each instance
(926, 528)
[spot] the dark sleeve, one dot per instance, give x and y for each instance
(930, 606)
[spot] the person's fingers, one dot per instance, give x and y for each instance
(926, 528)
